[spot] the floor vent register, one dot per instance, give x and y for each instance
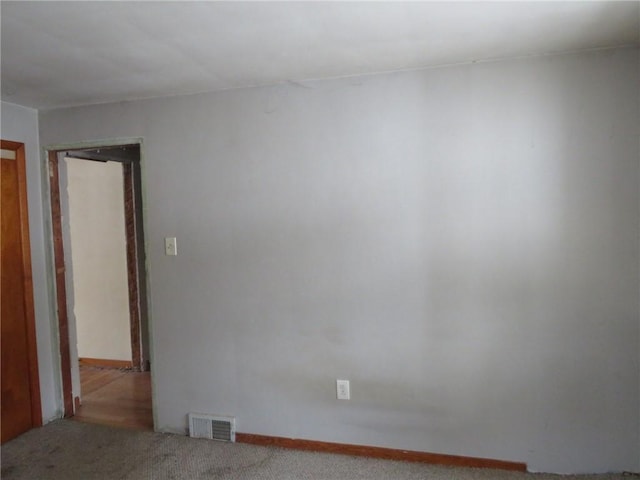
(213, 427)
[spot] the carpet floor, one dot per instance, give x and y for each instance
(67, 449)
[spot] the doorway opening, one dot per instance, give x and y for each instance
(100, 278)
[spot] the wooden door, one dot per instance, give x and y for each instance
(20, 385)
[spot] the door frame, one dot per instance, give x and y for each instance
(29, 307)
(135, 249)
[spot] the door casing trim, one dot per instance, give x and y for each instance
(55, 260)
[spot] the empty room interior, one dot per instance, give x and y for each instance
(408, 230)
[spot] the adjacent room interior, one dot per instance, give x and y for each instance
(376, 227)
(110, 362)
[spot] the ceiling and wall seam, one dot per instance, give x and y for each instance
(304, 83)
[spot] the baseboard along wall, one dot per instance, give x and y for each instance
(106, 363)
(380, 452)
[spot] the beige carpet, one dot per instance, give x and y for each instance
(70, 450)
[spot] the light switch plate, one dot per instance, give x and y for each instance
(170, 246)
(342, 390)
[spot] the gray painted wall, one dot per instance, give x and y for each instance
(461, 243)
(20, 124)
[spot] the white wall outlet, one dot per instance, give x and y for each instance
(170, 246)
(342, 389)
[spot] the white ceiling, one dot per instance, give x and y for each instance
(73, 53)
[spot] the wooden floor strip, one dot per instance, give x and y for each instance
(117, 398)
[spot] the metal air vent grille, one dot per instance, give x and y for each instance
(214, 427)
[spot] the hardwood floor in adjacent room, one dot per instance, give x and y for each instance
(119, 398)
